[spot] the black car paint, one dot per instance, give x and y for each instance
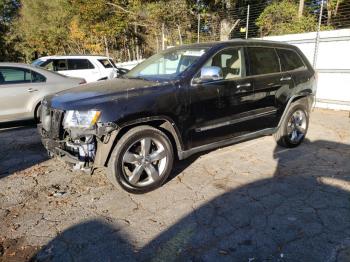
(200, 114)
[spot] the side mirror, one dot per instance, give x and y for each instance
(210, 73)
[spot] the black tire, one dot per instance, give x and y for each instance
(37, 113)
(117, 168)
(282, 137)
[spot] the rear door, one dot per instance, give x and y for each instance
(82, 68)
(269, 83)
(293, 66)
(108, 68)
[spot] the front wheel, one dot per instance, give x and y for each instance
(294, 127)
(142, 160)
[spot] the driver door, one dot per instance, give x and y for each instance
(219, 106)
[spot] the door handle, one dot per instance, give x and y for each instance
(286, 78)
(244, 85)
(30, 90)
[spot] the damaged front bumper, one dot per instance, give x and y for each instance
(83, 149)
(80, 152)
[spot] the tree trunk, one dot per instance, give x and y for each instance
(226, 27)
(136, 44)
(129, 55)
(329, 12)
(301, 8)
(180, 37)
(157, 41)
(163, 37)
(106, 46)
(337, 8)
(329, 17)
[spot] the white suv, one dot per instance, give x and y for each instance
(91, 68)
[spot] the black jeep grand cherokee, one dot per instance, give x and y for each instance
(179, 102)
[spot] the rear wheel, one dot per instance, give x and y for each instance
(294, 127)
(142, 160)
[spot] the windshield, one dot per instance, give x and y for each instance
(38, 62)
(167, 64)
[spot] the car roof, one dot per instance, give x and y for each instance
(244, 42)
(46, 73)
(74, 56)
(22, 65)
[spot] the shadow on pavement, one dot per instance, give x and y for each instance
(301, 213)
(18, 124)
(20, 147)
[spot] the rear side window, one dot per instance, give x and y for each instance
(263, 60)
(38, 78)
(79, 64)
(11, 75)
(290, 60)
(106, 63)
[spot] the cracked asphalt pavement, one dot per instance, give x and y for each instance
(252, 201)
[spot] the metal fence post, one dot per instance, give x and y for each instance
(317, 41)
(199, 24)
(247, 25)
(199, 21)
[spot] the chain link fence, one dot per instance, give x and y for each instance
(243, 22)
(321, 38)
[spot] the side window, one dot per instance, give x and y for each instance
(37, 78)
(79, 64)
(60, 65)
(106, 63)
(12, 75)
(263, 60)
(290, 60)
(231, 62)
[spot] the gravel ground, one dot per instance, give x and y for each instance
(252, 201)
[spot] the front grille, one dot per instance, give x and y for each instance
(52, 122)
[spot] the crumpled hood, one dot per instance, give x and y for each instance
(89, 96)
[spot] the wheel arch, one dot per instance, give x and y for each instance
(305, 99)
(36, 108)
(163, 123)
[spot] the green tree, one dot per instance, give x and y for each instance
(8, 12)
(42, 27)
(282, 18)
(95, 25)
(332, 9)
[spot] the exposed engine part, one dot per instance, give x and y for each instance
(87, 152)
(84, 149)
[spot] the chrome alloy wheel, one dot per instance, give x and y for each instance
(296, 128)
(144, 162)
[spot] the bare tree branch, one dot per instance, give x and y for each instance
(120, 8)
